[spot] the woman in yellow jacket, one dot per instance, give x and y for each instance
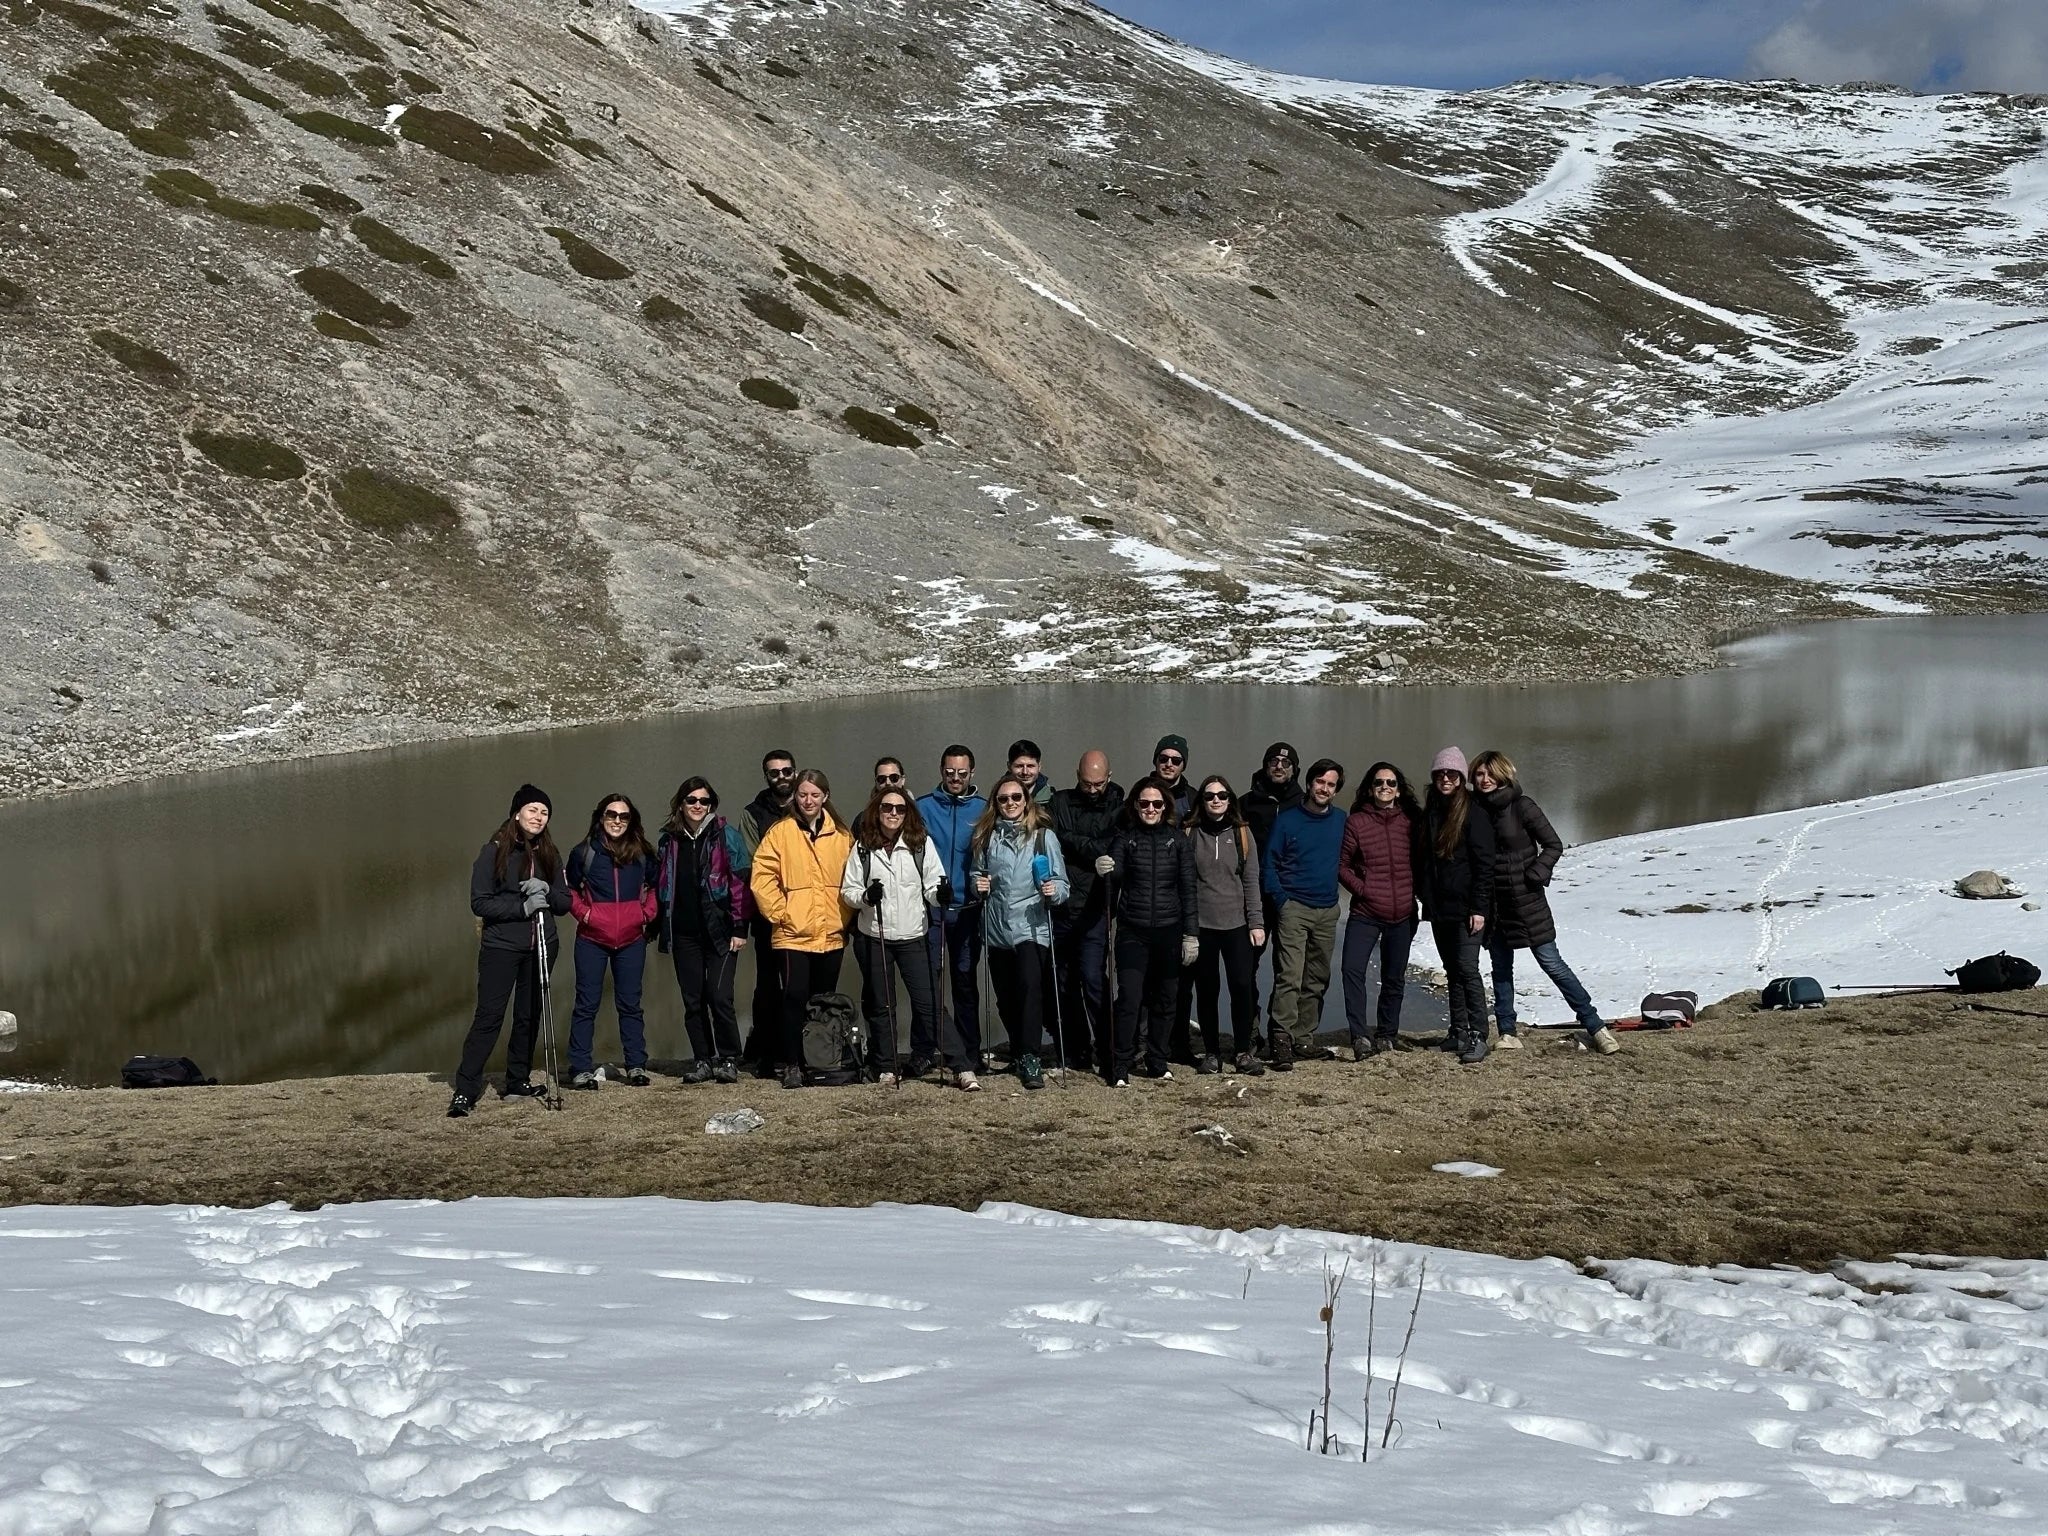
(797, 871)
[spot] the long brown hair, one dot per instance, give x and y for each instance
(547, 859)
(914, 834)
(677, 822)
(1452, 832)
(632, 848)
(1034, 820)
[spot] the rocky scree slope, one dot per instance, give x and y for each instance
(374, 371)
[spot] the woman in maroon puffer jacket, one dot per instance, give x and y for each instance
(1377, 863)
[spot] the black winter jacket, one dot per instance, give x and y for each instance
(1460, 886)
(1155, 878)
(1086, 828)
(1528, 849)
(501, 905)
(1263, 803)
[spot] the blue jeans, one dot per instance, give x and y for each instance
(1551, 963)
(627, 966)
(955, 943)
(1363, 934)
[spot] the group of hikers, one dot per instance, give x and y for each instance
(1113, 922)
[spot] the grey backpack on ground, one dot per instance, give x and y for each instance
(835, 1041)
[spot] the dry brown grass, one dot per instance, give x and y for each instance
(1873, 1127)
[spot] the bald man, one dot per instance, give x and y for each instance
(1085, 816)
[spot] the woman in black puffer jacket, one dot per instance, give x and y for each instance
(1528, 851)
(1152, 871)
(1457, 895)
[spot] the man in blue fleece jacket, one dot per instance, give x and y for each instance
(1300, 871)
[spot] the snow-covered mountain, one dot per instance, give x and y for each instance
(393, 369)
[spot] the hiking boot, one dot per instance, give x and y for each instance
(1472, 1050)
(700, 1071)
(588, 1080)
(525, 1088)
(792, 1077)
(966, 1082)
(886, 1079)
(727, 1070)
(1209, 1064)
(920, 1066)
(1450, 1044)
(1160, 1074)
(1250, 1065)
(636, 1077)
(1029, 1073)
(1509, 1041)
(1383, 1045)
(460, 1106)
(1282, 1045)
(1603, 1041)
(1361, 1050)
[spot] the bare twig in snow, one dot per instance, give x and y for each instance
(1394, 1397)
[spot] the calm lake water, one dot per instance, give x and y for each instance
(311, 918)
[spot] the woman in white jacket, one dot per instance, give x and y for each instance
(892, 881)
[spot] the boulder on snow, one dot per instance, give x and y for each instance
(1987, 885)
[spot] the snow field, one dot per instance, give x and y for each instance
(613, 1367)
(1854, 893)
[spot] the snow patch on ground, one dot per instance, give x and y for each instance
(533, 1366)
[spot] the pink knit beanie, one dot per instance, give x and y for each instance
(1450, 757)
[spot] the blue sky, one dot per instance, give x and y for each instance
(1926, 44)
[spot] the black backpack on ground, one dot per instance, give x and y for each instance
(164, 1072)
(835, 1041)
(1996, 973)
(1794, 992)
(1669, 1010)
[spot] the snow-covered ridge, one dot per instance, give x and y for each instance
(613, 1368)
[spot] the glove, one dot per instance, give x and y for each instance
(945, 891)
(533, 888)
(1105, 865)
(1190, 949)
(873, 894)
(536, 900)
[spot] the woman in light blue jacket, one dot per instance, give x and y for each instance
(1021, 876)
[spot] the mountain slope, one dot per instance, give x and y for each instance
(380, 370)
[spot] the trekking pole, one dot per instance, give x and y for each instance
(552, 1099)
(888, 989)
(1893, 986)
(1052, 950)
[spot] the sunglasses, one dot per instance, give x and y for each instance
(781, 773)
(698, 800)
(1447, 773)
(618, 815)
(1216, 794)
(956, 773)
(888, 778)
(1173, 759)
(1386, 783)
(1009, 799)
(1151, 805)
(1278, 757)
(894, 808)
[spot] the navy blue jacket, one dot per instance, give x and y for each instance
(1301, 856)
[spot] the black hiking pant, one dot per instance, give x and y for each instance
(910, 962)
(1080, 944)
(1228, 951)
(704, 975)
(803, 975)
(502, 976)
(1022, 979)
(1458, 947)
(1362, 936)
(1147, 982)
(764, 1023)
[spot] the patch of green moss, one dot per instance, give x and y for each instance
(440, 19)
(782, 71)
(468, 141)
(252, 457)
(1089, 214)
(847, 283)
(13, 297)
(660, 307)
(343, 330)
(650, 151)
(376, 85)
(1263, 291)
(313, 79)
(945, 341)
(587, 258)
(328, 198)
(716, 201)
(263, 50)
(349, 299)
(392, 246)
(916, 415)
(424, 85)
(51, 154)
(776, 311)
(89, 19)
(166, 146)
(140, 359)
(374, 499)
(823, 297)
(188, 189)
(9, 99)
(312, 15)
(141, 82)
(331, 125)
(768, 392)
(877, 428)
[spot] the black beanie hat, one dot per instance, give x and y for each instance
(1177, 742)
(529, 794)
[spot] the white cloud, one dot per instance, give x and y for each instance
(1967, 45)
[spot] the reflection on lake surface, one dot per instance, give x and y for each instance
(313, 917)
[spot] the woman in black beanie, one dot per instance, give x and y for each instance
(516, 878)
